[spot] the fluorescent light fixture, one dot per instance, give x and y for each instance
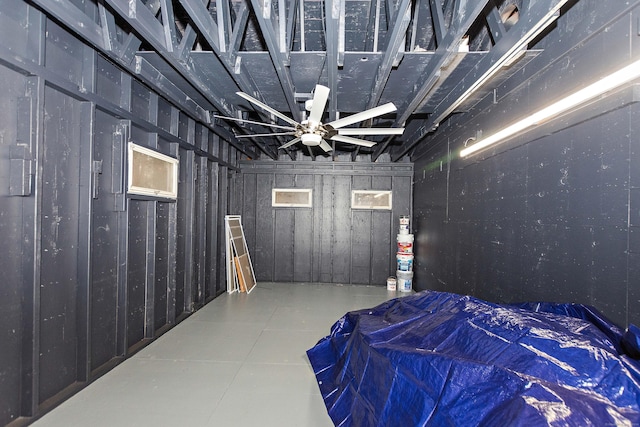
(513, 54)
(612, 81)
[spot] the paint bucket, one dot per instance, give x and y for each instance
(405, 261)
(405, 280)
(391, 284)
(405, 243)
(404, 224)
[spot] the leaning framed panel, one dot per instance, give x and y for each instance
(240, 274)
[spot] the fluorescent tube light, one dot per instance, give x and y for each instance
(512, 55)
(612, 81)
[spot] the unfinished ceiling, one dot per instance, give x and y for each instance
(430, 58)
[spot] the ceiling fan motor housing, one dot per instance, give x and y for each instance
(311, 139)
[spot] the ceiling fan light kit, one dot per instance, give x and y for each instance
(311, 139)
(312, 132)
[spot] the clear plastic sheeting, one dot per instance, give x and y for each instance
(442, 359)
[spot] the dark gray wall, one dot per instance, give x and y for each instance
(89, 274)
(329, 242)
(553, 214)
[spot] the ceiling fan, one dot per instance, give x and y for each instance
(312, 132)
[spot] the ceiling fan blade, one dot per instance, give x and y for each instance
(265, 134)
(370, 131)
(267, 108)
(290, 143)
(320, 97)
(363, 115)
(271, 125)
(325, 146)
(354, 141)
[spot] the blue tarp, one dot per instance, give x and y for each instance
(443, 359)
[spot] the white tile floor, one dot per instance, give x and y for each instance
(239, 361)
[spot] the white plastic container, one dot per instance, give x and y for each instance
(404, 281)
(405, 243)
(404, 261)
(404, 224)
(391, 284)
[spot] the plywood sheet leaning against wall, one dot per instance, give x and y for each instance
(240, 274)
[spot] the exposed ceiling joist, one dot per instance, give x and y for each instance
(102, 35)
(437, 16)
(238, 30)
(210, 31)
(531, 23)
(464, 17)
(334, 39)
(161, 35)
(223, 14)
(224, 40)
(448, 48)
(496, 26)
(426, 56)
(396, 39)
(272, 32)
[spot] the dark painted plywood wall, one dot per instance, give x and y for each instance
(91, 274)
(60, 239)
(551, 215)
(105, 228)
(329, 242)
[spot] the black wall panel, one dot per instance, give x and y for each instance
(211, 242)
(162, 267)
(361, 261)
(284, 221)
(89, 272)
(199, 233)
(329, 242)
(325, 237)
(303, 236)
(136, 271)
(16, 234)
(303, 233)
(340, 206)
(381, 248)
(165, 119)
(549, 214)
(562, 236)
(224, 189)
(249, 221)
(105, 246)
(264, 241)
(213, 238)
(59, 251)
(109, 81)
(185, 202)
(140, 101)
(63, 53)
